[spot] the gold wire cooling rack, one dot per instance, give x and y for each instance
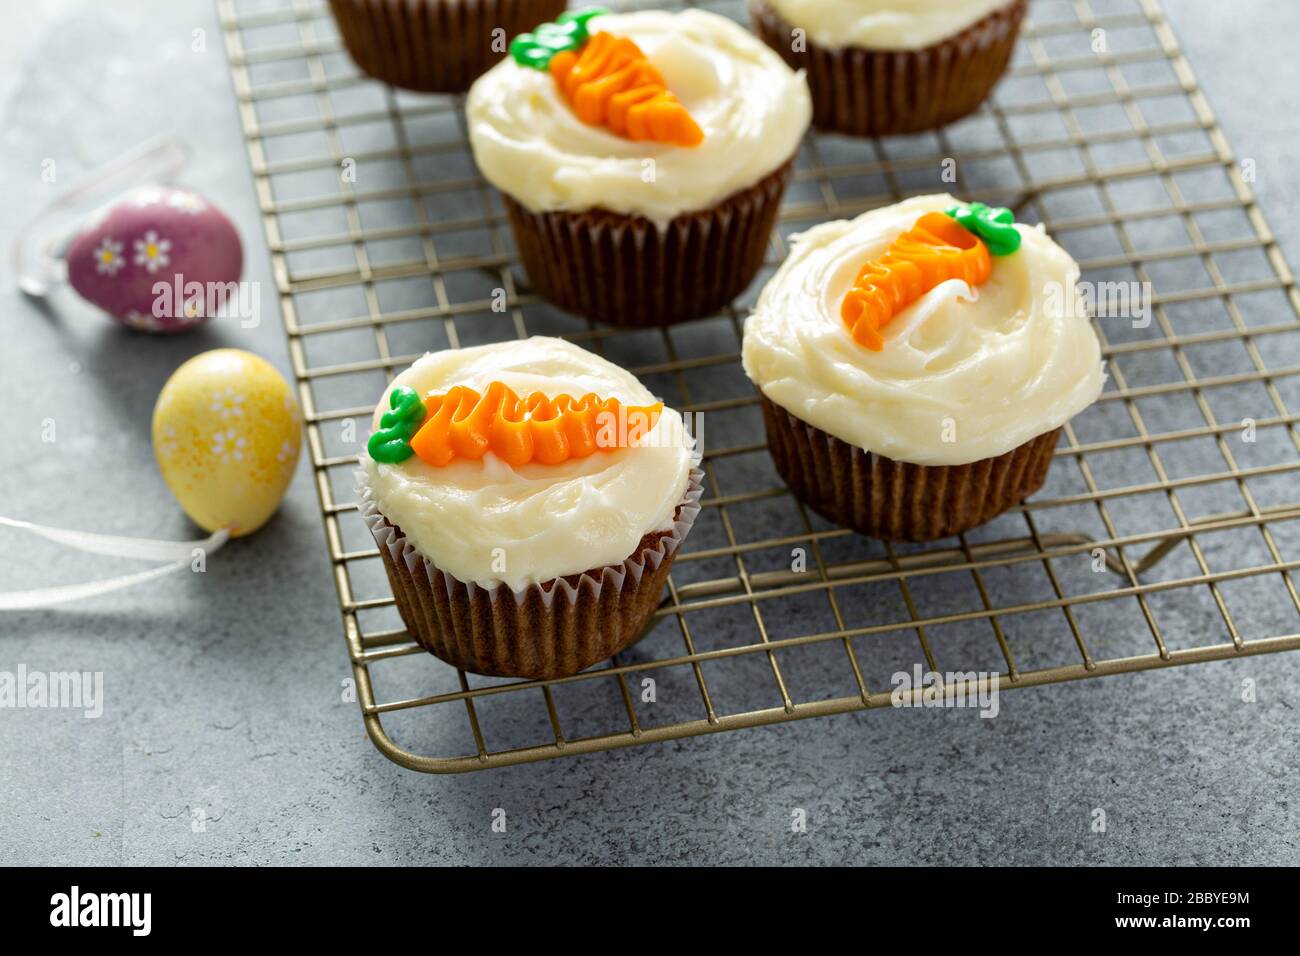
(1168, 532)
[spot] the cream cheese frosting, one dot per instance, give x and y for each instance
(491, 523)
(752, 108)
(883, 24)
(965, 374)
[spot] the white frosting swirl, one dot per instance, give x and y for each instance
(752, 108)
(883, 24)
(546, 520)
(965, 373)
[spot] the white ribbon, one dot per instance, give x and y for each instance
(177, 554)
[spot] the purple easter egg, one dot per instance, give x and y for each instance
(159, 260)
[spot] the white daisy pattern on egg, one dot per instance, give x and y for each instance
(228, 403)
(192, 310)
(168, 443)
(228, 444)
(152, 251)
(142, 322)
(108, 256)
(187, 203)
(150, 196)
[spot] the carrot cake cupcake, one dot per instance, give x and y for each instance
(434, 46)
(527, 499)
(642, 157)
(916, 365)
(879, 67)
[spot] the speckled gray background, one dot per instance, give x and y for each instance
(224, 693)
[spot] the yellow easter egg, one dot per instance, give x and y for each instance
(226, 433)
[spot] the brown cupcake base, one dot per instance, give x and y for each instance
(897, 500)
(624, 270)
(434, 46)
(864, 92)
(545, 631)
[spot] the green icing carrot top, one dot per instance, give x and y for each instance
(995, 225)
(568, 32)
(391, 444)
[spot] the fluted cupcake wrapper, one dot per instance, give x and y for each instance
(552, 629)
(434, 46)
(897, 500)
(864, 92)
(625, 270)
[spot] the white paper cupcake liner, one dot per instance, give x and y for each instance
(551, 629)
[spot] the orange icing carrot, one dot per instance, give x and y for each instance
(933, 251)
(464, 424)
(609, 82)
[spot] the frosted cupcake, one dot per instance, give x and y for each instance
(433, 46)
(916, 365)
(879, 67)
(642, 156)
(527, 499)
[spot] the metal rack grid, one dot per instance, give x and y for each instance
(1168, 533)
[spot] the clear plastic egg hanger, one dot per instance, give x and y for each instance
(38, 251)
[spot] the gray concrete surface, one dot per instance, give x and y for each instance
(223, 695)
